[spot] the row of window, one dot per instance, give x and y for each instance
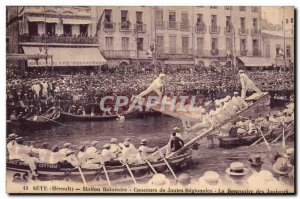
(124, 16)
(51, 30)
(241, 8)
(291, 20)
(109, 44)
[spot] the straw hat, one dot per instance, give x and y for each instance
(159, 179)
(161, 75)
(237, 169)
(144, 141)
(241, 71)
(175, 129)
(113, 140)
(255, 160)
(127, 139)
(210, 179)
(44, 144)
(20, 139)
(235, 93)
(82, 147)
(126, 144)
(69, 152)
(12, 135)
(184, 179)
(280, 167)
(93, 143)
(106, 146)
(262, 179)
(54, 148)
(67, 144)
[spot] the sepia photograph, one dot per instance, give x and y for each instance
(150, 99)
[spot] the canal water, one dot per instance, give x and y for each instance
(157, 130)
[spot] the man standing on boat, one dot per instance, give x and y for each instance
(247, 84)
(176, 142)
(155, 86)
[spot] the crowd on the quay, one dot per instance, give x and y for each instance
(38, 91)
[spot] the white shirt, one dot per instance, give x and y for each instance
(115, 148)
(55, 157)
(11, 147)
(91, 149)
(108, 155)
(156, 84)
(44, 154)
(238, 102)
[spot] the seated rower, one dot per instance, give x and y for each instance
(92, 151)
(56, 156)
(11, 146)
(145, 150)
(238, 101)
(81, 111)
(85, 162)
(129, 154)
(44, 153)
(253, 129)
(107, 154)
(114, 147)
(22, 153)
(130, 144)
(93, 111)
(65, 148)
(233, 131)
(71, 158)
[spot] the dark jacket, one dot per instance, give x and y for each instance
(176, 143)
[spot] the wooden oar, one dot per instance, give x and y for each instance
(150, 165)
(52, 120)
(283, 139)
(82, 176)
(279, 136)
(106, 174)
(168, 165)
(129, 170)
(266, 142)
(257, 141)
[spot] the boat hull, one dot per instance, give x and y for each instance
(115, 172)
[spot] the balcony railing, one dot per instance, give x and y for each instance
(243, 31)
(125, 27)
(109, 26)
(185, 26)
(200, 28)
(228, 30)
(117, 54)
(59, 39)
(172, 25)
(160, 25)
(243, 52)
(214, 29)
(256, 52)
(214, 52)
(255, 31)
(140, 27)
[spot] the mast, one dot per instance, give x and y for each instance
(283, 36)
(233, 41)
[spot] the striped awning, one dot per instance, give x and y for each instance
(76, 21)
(42, 19)
(62, 56)
(257, 61)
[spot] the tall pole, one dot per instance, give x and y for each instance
(45, 48)
(283, 36)
(233, 40)
(137, 43)
(155, 42)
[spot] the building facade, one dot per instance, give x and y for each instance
(67, 33)
(181, 35)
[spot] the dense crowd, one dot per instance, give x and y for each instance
(86, 89)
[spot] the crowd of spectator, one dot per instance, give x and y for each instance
(86, 89)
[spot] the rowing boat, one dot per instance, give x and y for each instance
(116, 172)
(35, 122)
(72, 117)
(230, 142)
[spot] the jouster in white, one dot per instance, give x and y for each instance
(247, 84)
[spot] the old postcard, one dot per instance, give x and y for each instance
(150, 99)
